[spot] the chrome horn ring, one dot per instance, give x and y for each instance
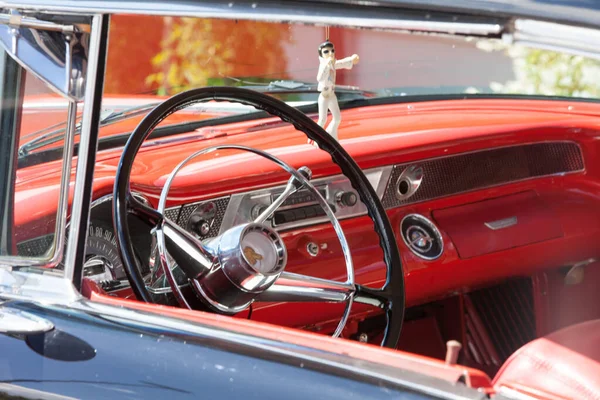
(228, 258)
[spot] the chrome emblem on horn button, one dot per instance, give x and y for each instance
(251, 255)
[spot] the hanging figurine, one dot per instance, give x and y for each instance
(326, 78)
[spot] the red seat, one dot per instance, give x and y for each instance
(562, 365)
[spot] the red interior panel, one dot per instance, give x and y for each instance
(423, 336)
(559, 304)
(498, 224)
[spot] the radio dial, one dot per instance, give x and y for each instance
(257, 210)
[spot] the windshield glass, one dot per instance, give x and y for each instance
(151, 57)
(175, 54)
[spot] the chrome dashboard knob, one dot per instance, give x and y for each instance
(346, 199)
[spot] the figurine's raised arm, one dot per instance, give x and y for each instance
(347, 63)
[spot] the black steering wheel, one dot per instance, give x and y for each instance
(220, 274)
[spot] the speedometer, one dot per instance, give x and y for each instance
(102, 258)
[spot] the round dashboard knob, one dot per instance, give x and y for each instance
(257, 210)
(347, 199)
(200, 227)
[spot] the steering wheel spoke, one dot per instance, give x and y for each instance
(291, 287)
(374, 297)
(149, 214)
(189, 253)
(293, 185)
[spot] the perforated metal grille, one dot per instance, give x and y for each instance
(188, 209)
(464, 172)
(172, 213)
(35, 247)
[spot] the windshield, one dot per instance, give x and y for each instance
(151, 57)
(182, 53)
(282, 59)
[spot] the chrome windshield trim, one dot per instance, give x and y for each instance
(350, 15)
(556, 37)
(28, 22)
(82, 160)
(63, 203)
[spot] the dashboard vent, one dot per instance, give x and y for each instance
(450, 175)
(499, 320)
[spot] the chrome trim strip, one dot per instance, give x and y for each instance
(84, 143)
(383, 181)
(501, 223)
(63, 208)
(28, 22)
(356, 16)
(556, 37)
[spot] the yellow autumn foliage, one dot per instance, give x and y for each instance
(197, 50)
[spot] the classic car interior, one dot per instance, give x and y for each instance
(491, 236)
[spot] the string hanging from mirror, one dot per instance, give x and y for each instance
(328, 65)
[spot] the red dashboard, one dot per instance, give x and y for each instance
(510, 186)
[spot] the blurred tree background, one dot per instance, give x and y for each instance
(548, 73)
(133, 41)
(165, 55)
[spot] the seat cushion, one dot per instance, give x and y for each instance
(562, 365)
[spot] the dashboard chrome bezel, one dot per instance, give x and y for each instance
(239, 209)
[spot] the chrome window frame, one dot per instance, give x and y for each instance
(79, 218)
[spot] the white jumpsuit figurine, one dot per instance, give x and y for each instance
(326, 78)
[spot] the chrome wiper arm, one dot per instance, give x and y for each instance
(57, 135)
(282, 86)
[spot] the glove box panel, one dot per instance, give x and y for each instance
(499, 224)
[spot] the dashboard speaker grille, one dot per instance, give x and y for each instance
(465, 172)
(36, 247)
(173, 213)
